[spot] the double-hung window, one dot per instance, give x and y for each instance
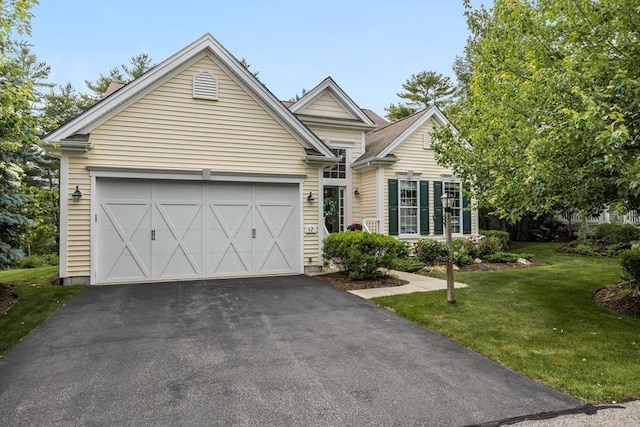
(408, 207)
(452, 188)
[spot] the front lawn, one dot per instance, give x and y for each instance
(541, 322)
(37, 300)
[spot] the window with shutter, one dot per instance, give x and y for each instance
(205, 86)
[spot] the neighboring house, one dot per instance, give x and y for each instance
(195, 170)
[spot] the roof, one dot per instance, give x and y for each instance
(375, 118)
(206, 45)
(382, 141)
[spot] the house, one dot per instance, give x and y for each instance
(195, 170)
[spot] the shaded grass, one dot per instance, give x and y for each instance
(541, 322)
(37, 300)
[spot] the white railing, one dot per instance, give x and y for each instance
(632, 217)
(371, 225)
(605, 217)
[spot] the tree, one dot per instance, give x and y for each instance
(400, 111)
(297, 97)
(422, 90)
(246, 65)
(552, 117)
(138, 65)
(19, 126)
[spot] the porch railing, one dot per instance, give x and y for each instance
(371, 225)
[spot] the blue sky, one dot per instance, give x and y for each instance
(369, 47)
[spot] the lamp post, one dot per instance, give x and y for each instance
(446, 203)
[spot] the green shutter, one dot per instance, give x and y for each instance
(437, 207)
(393, 207)
(424, 208)
(466, 211)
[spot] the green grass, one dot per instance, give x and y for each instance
(37, 300)
(541, 322)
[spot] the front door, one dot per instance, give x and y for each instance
(334, 208)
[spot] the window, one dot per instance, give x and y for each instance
(408, 206)
(453, 189)
(338, 170)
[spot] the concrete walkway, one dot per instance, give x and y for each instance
(417, 283)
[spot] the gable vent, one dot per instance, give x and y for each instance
(205, 86)
(426, 140)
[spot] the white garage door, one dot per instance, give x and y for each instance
(167, 230)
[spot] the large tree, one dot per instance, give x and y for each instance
(19, 126)
(421, 90)
(137, 66)
(552, 117)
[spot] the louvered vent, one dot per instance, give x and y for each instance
(205, 86)
(426, 140)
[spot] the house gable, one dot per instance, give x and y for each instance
(86, 122)
(169, 127)
(328, 103)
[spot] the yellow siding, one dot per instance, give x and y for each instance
(326, 105)
(168, 129)
(414, 157)
(368, 194)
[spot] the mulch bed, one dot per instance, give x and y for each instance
(7, 297)
(341, 280)
(621, 298)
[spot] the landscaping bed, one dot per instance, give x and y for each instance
(621, 298)
(341, 280)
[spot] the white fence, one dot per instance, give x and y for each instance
(371, 225)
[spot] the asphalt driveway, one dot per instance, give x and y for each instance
(264, 352)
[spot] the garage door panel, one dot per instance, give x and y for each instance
(178, 238)
(229, 235)
(124, 232)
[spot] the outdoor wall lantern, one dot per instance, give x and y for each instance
(447, 202)
(356, 193)
(77, 195)
(310, 198)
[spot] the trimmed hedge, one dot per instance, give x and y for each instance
(502, 236)
(630, 262)
(361, 254)
(430, 252)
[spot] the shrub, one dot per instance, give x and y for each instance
(464, 251)
(429, 251)
(630, 262)
(405, 249)
(503, 236)
(507, 257)
(409, 265)
(489, 245)
(613, 234)
(361, 254)
(35, 261)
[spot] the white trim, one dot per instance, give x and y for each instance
(431, 112)
(329, 84)
(380, 190)
(64, 215)
(321, 234)
(300, 226)
(93, 256)
(192, 175)
(363, 143)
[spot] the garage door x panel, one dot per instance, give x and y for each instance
(229, 235)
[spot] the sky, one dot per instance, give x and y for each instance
(368, 47)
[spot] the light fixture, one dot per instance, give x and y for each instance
(446, 201)
(77, 195)
(310, 198)
(356, 193)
